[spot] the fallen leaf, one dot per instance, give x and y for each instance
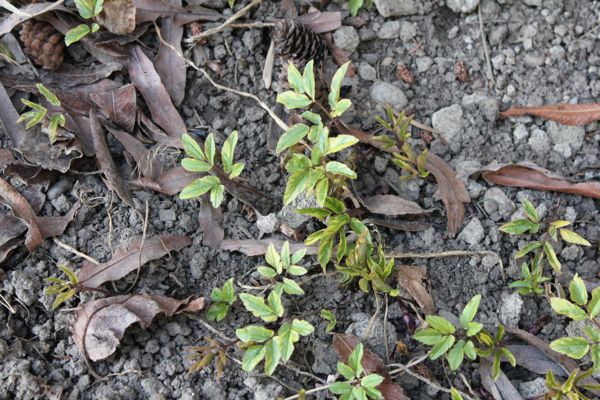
(389, 204)
(321, 22)
(409, 226)
(127, 258)
(289, 9)
(170, 66)
(340, 56)
(118, 105)
(148, 82)
(170, 182)
(6, 157)
(252, 247)
(22, 14)
(267, 74)
(118, 16)
(566, 114)
(210, 220)
(69, 75)
(106, 162)
(11, 229)
(411, 278)
(535, 360)
(343, 344)
(151, 10)
(157, 134)
(9, 116)
(145, 159)
(500, 389)
(100, 324)
(530, 176)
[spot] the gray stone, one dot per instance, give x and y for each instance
(465, 6)
(532, 60)
(267, 223)
(571, 252)
(533, 389)
(386, 93)
(397, 8)
(473, 233)
(487, 105)
(539, 142)
(498, 34)
(367, 72)
(167, 215)
(448, 120)
(389, 30)
(566, 139)
(423, 64)
(510, 308)
(375, 337)
(408, 30)
(346, 38)
(176, 328)
(25, 287)
(380, 164)
(288, 214)
(520, 132)
(497, 204)
(198, 265)
(58, 188)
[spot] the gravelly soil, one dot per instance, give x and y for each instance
(538, 54)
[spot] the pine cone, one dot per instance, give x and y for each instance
(43, 44)
(298, 43)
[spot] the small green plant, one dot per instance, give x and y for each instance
(407, 159)
(39, 114)
(532, 278)
(441, 334)
(328, 316)
(355, 5)
(199, 160)
(532, 225)
(222, 300)
(88, 9)
(201, 356)
(570, 388)
(63, 290)
(314, 172)
(582, 307)
(358, 385)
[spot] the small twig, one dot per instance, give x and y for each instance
(139, 266)
(210, 327)
(490, 73)
(372, 320)
(252, 25)
(453, 253)
(6, 304)
(299, 371)
(224, 25)
(74, 251)
(385, 330)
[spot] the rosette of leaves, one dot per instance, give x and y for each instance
(442, 335)
(203, 160)
(63, 290)
(570, 388)
(328, 316)
(532, 225)
(39, 114)
(358, 385)
(88, 9)
(284, 263)
(223, 299)
(582, 307)
(532, 279)
(309, 164)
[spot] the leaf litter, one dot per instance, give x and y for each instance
(566, 114)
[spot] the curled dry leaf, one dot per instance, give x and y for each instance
(566, 114)
(118, 16)
(147, 163)
(389, 204)
(118, 105)
(253, 247)
(530, 176)
(22, 14)
(127, 258)
(210, 220)
(321, 22)
(411, 278)
(70, 76)
(343, 344)
(148, 82)
(151, 10)
(11, 229)
(101, 324)
(535, 360)
(170, 182)
(500, 389)
(9, 116)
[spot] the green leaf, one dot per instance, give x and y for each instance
(594, 305)
(371, 380)
(454, 394)
(354, 6)
(33, 117)
(322, 190)
(318, 213)
(312, 117)
(340, 142)
(297, 257)
(496, 366)
(217, 193)
(287, 337)
(359, 393)
(292, 100)
(69, 273)
(440, 324)
(63, 297)
(47, 93)
(565, 307)
(254, 333)
(530, 211)
(273, 258)
(89, 8)
(508, 355)
(199, 186)
(518, 227)
(335, 205)
(227, 152)
(272, 355)
(231, 3)
(340, 388)
(274, 300)
(595, 354)
(456, 355)
(552, 259)
(217, 312)
(578, 291)
(341, 107)
(291, 287)
(192, 148)
(338, 168)
(257, 306)
(252, 357)
(95, 27)
(236, 170)
(473, 328)
(336, 84)
(309, 80)
(295, 185)
(291, 137)
(195, 165)
(469, 350)
(210, 148)
(469, 312)
(442, 347)
(324, 252)
(428, 336)
(229, 292)
(355, 359)
(267, 272)
(572, 237)
(302, 327)
(75, 34)
(528, 248)
(335, 224)
(593, 333)
(574, 347)
(295, 78)
(329, 316)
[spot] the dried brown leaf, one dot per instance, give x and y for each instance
(566, 114)
(411, 278)
(530, 176)
(11, 229)
(169, 64)
(170, 182)
(289, 8)
(27, 12)
(127, 258)
(251, 247)
(500, 389)
(389, 204)
(321, 22)
(151, 10)
(6, 157)
(118, 16)
(267, 74)
(101, 324)
(118, 105)
(340, 56)
(147, 163)
(535, 360)
(148, 82)
(157, 134)
(210, 220)
(9, 116)
(69, 75)
(409, 226)
(106, 162)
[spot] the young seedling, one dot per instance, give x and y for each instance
(63, 290)
(199, 160)
(532, 278)
(222, 299)
(329, 316)
(39, 114)
(88, 9)
(358, 385)
(570, 389)
(355, 5)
